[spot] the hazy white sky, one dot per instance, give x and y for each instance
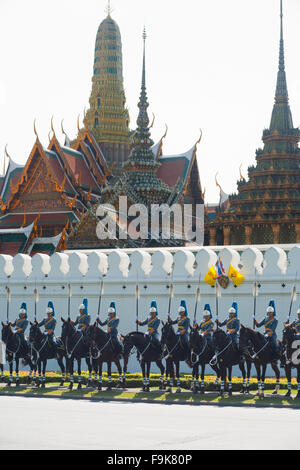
(210, 64)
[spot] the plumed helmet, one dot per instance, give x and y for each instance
(153, 307)
(112, 308)
(271, 308)
(84, 306)
(50, 308)
(183, 306)
(235, 306)
(207, 310)
(23, 308)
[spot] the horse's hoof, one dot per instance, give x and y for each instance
(194, 390)
(9, 383)
(89, 383)
(70, 387)
(99, 388)
(178, 390)
(79, 387)
(202, 392)
(221, 394)
(17, 383)
(288, 394)
(230, 393)
(298, 395)
(61, 384)
(43, 385)
(169, 390)
(275, 392)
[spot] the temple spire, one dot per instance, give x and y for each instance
(281, 116)
(108, 8)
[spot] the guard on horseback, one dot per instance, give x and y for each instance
(112, 323)
(83, 320)
(153, 323)
(295, 324)
(20, 324)
(232, 324)
(183, 324)
(49, 323)
(206, 327)
(270, 323)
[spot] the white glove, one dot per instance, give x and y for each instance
(202, 334)
(266, 335)
(228, 334)
(254, 318)
(147, 333)
(45, 333)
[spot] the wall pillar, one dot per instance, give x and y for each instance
(226, 232)
(276, 230)
(297, 228)
(248, 234)
(212, 236)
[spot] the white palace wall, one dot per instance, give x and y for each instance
(276, 268)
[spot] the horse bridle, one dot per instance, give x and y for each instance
(214, 359)
(200, 354)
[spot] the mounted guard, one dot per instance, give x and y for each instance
(295, 324)
(20, 324)
(232, 324)
(206, 327)
(83, 320)
(152, 323)
(270, 323)
(112, 323)
(183, 324)
(49, 323)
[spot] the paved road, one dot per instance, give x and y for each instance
(30, 423)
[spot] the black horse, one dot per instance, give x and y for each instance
(288, 338)
(76, 347)
(174, 353)
(45, 351)
(258, 349)
(16, 349)
(226, 356)
(102, 350)
(201, 354)
(147, 352)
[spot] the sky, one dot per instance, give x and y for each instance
(210, 64)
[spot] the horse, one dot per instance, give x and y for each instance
(226, 357)
(2, 359)
(288, 338)
(174, 353)
(103, 350)
(261, 356)
(15, 350)
(148, 353)
(44, 351)
(76, 347)
(201, 354)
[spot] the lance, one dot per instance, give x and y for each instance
(36, 299)
(69, 299)
(255, 295)
(293, 299)
(7, 303)
(197, 298)
(170, 299)
(100, 296)
(218, 296)
(137, 296)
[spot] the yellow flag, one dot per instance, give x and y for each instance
(236, 277)
(211, 276)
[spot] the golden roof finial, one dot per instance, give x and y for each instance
(52, 127)
(165, 134)
(34, 129)
(240, 170)
(5, 155)
(199, 140)
(49, 136)
(153, 120)
(62, 127)
(78, 126)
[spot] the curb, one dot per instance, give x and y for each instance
(155, 401)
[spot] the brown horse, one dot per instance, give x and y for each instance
(288, 346)
(226, 356)
(256, 347)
